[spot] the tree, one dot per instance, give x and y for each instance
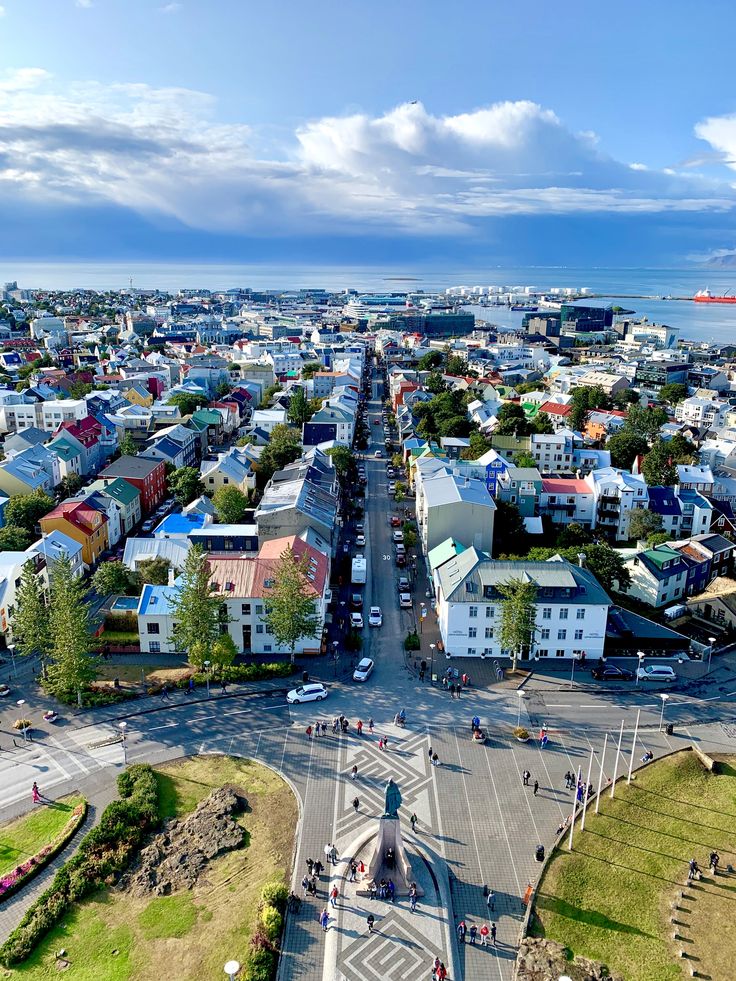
(604, 562)
(429, 361)
(397, 461)
(14, 539)
(659, 466)
(410, 537)
(311, 368)
(343, 462)
(224, 388)
(195, 610)
(230, 504)
(455, 365)
(542, 424)
(127, 446)
(478, 447)
(673, 393)
(73, 667)
(290, 607)
(643, 523)
(70, 485)
(584, 400)
(525, 460)
(625, 398)
(518, 616)
(454, 426)
(645, 422)
(574, 534)
(154, 571)
(31, 618)
(625, 447)
(269, 394)
(79, 389)
(299, 408)
(283, 448)
(185, 484)
(657, 538)
(245, 440)
(187, 402)
(512, 421)
(224, 651)
(509, 530)
(113, 578)
(435, 383)
(26, 510)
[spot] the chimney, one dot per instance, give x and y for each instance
(581, 559)
(172, 575)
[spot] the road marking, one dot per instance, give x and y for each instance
(558, 706)
(72, 756)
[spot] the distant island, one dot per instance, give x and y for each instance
(726, 261)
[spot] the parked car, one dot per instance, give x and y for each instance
(375, 617)
(403, 585)
(147, 526)
(395, 521)
(360, 540)
(656, 672)
(392, 487)
(363, 670)
(307, 693)
(359, 526)
(612, 672)
(400, 548)
(378, 454)
(356, 601)
(4, 691)
(356, 621)
(405, 600)
(398, 535)
(400, 560)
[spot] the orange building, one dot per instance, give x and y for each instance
(83, 523)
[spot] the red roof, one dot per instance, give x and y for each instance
(564, 485)
(554, 409)
(80, 514)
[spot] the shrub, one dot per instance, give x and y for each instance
(412, 642)
(520, 732)
(126, 622)
(104, 853)
(261, 965)
(275, 893)
(271, 921)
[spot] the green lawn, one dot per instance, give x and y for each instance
(189, 935)
(610, 898)
(24, 837)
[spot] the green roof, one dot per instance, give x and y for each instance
(530, 409)
(121, 491)
(64, 450)
(444, 552)
(208, 416)
(510, 442)
(658, 556)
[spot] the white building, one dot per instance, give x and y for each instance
(616, 494)
(703, 413)
(572, 607)
(53, 413)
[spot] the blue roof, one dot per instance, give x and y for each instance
(157, 600)
(663, 500)
(181, 524)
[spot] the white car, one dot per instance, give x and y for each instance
(307, 693)
(360, 540)
(378, 454)
(398, 536)
(375, 617)
(356, 621)
(363, 670)
(656, 672)
(405, 599)
(4, 690)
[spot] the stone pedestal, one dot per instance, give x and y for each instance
(389, 837)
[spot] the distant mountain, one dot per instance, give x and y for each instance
(726, 261)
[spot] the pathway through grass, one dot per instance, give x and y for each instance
(610, 898)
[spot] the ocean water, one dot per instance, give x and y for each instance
(707, 322)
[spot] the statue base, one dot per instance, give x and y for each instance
(390, 860)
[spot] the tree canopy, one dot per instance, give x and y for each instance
(509, 530)
(290, 607)
(154, 571)
(673, 392)
(188, 402)
(114, 578)
(230, 504)
(185, 484)
(31, 618)
(195, 610)
(26, 510)
(73, 666)
(283, 448)
(430, 360)
(299, 408)
(643, 523)
(518, 616)
(625, 447)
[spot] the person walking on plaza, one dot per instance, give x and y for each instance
(484, 931)
(353, 872)
(333, 855)
(356, 804)
(491, 901)
(442, 973)
(461, 930)
(310, 865)
(429, 754)
(435, 967)
(334, 893)
(359, 727)
(413, 821)
(536, 787)
(36, 793)
(223, 686)
(324, 919)
(493, 934)
(473, 934)
(354, 772)
(370, 726)
(435, 759)
(525, 778)
(370, 921)
(309, 732)
(380, 744)
(165, 693)
(305, 885)
(413, 897)
(318, 868)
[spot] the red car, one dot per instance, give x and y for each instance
(395, 522)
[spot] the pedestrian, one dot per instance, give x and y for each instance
(413, 820)
(333, 855)
(536, 787)
(318, 868)
(165, 693)
(491, 901)
(442, 973)
(461, 930)
(324, 919)
(473, 934)
(223, 686)
(370, 921)
(309, 732)
(310, 865)
(373, 890)
(354, 772)
(334, 893)
(380, 744)
(435, 967)
(356, 804)
(324, 728)
(567, 780)
(435, 759)
(353, 872)
(452, 690)
(328, 851)
(313, 886)
(385, 742)
(413, 897)
(359, 727)
(305, 885)
(36, 793)
(316, 728)
(484, 931)
(191, 684)
(429, 754)
(493, 933)
(391, 889)
(370, 726)
(525, 777)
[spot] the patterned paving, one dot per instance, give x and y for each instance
(396, 951)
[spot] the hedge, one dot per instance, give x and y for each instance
(20, 876)
(104, 853)
(234, 673)
(263, 957)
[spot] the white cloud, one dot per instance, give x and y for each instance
(161, 151)
(170, 8)
(2, 11)
(86, 4)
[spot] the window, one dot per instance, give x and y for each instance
(580, 615)
(152, 628)
(471, 650)
(561, 634)
(563, 613)
(472, 611)
(259, 628)
(472, 632)
(578, 635)
(547, 613)
(559, 653)
(267, 648)
(543, 652)
(259, 608)
(154, 647)
(245, 610)
(489, 633)
(490, 612)
(211, 480)
(488, 651)
(544, 632)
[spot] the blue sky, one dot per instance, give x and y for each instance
(411, 130)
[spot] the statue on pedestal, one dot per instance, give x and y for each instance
(393, 800)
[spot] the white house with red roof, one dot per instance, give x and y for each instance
(567, 500)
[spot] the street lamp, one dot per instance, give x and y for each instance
(664, 696)
(711, 641)
(572, 673)
(123, 727)
(335, 645)
(207, 676)
(20, 703)
(232, 968)
(11, 649)
(522, 695)
(431, 663)
(641, 655)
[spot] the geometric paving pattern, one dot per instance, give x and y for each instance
(395, 952)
